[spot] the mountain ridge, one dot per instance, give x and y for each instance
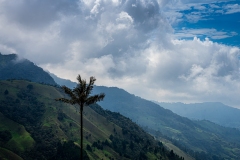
(196, 139)
(54, 127)
(161, 122)
(216, 112)
(13, 68)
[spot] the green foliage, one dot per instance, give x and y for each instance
(6, 92)
(30, 86)
(68, 151)
(89, 148)
(6, 154)
(55, 129)
(61, 115)
(5, 136)
(134, 142)
(28, 111)
(22, 112)
(14, 136)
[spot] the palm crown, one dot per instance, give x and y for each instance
(81, 95)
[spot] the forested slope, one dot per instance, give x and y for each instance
(12, 67)
(51, 128)
(201, 141)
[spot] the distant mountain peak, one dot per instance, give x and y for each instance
(14, 67)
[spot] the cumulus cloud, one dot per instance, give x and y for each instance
(206, 71)
(129, 44)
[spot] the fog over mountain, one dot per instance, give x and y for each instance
(176, 50)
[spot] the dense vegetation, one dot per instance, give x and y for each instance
(208, 140)
(133, 138)
(51, 129)
(13, 68)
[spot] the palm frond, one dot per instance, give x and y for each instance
(95, 98)
(90, 85)
(79, 79)
(70, 101)
(79, 91)
(68, 91)
(81, 87)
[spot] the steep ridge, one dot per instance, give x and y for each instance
(201, 139)
(220, 142)
(11, 67)
(53, 127)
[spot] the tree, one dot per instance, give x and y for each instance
(6, 92)
(80, 95)
(30, 86)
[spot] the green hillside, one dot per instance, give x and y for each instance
(208, 141)
(14, 135)
(35, 126)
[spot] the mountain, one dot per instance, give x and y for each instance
(11, 67)
(183, 131)
(35, 126)
(201, 139)
(194, 137)
(62, 82)
(213, 111)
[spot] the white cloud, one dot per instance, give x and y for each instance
(203, 32)
(198, 10)
(206, 71)
(233, 8)
(129, 44)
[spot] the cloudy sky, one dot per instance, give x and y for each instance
(163, 50)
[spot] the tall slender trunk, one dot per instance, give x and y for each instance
(81, 114)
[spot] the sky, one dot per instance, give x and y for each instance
(163, 50)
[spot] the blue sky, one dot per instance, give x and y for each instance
(218, 21)
(163, 50)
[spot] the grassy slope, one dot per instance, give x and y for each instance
(96, 126)
(177, 150)
(21, 139)
(93, 123)
(8, 155)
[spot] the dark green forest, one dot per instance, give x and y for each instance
(11, 67)
(53, 129)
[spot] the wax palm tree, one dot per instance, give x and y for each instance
(81, 95)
